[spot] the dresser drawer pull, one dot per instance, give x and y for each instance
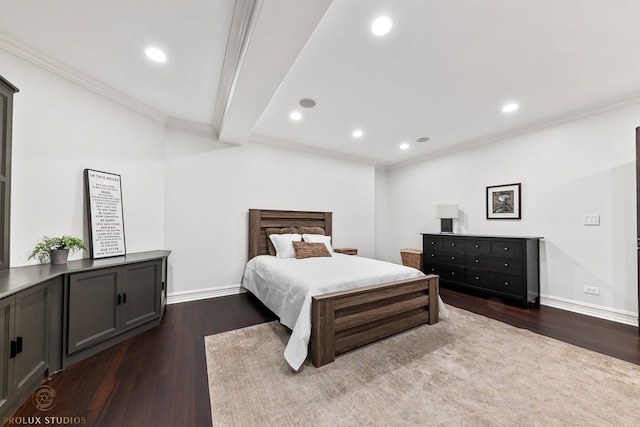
(453, 257)
(432, 255)
(477, 246)
(433, 243)
(506, 264)
(506, 283)
(453, 273)
(477, 261)
(477, 277)
(453, 244)
(506, 249)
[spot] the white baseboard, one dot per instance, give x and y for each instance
(221, 291)
(607, 313)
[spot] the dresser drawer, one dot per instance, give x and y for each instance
(453, 245)
(504, 283)
(505, 248)
(442, 257)
(430, 242)
(498, 264)
(446, 272)
(479, 247)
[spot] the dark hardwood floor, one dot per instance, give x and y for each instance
(159, 377)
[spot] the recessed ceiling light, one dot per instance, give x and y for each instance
(307, 103)
(510, 107)
(295, 116)
(381, 25)
(422, 139)
(404, 146)
(155, 54)
(357, 133)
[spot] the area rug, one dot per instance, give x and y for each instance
(467, 370)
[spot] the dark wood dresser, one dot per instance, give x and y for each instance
(504, 266)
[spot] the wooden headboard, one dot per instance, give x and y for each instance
(260, 219)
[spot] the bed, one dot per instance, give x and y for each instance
(336, 315)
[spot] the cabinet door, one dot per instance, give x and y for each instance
(6, 332)
(31, 336)
(93, 308)
(141, 293)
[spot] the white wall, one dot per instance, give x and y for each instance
(59, 129)
(211, 186)
(382, 213)
(581, 167)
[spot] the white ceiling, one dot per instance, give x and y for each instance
(444, 70)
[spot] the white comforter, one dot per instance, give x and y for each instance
(286, 286)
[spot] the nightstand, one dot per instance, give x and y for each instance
(346, 251)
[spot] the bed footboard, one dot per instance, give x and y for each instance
(342, 321)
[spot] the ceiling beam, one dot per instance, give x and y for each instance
(265, 40)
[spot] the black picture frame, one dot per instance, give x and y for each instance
(104, 214)
(504, 201)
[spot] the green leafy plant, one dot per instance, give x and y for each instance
(41, 251)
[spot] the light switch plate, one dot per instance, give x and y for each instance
(591, 219)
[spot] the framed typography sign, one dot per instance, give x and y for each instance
(104, 212)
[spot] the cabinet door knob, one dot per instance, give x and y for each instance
(433, 255)
(506, 264)
(506, 283)
(453, 273)
(433, 243)
(453, 257)
(453, 244)
(477, 278)
(506, 249)
(477, 246)
(477, 261)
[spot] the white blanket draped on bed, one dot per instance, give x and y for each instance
(286, 286)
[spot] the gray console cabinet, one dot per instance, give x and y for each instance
(52, 316)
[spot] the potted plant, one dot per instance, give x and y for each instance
(57, 248)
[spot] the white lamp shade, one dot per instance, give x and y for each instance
(446, 211)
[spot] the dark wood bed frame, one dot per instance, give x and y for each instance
(342, 321)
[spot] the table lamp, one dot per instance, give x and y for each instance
(446, 213)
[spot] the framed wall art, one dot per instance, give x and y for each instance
(104, 211)
(503, 201)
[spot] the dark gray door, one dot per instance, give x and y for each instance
(141, 293)
(6, 333)
(31, 332)
(93, 307)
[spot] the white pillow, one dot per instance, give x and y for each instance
(318, 238)
(284, 244)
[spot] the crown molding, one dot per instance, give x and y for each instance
(522, 130)
(242, 24)
(47, 63)
(202, 128)
(267, 140)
